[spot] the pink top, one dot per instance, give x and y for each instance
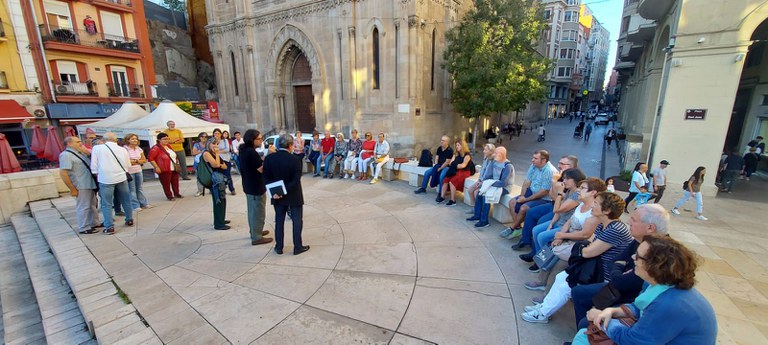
(134, 154)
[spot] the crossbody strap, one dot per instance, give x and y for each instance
(80, 158)
(118, 161)
(168, 154)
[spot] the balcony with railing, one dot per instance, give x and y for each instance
(57, 34)
(126, 90)
(121, 5)
(66, 88)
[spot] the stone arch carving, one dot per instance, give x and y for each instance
(377, 23)
(287, 36)
(662, 41)
(751, 21)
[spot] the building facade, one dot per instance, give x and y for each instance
(690, 88)
(95, 56)
(569, 41)
(335, 65)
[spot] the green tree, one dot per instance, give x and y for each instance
(175, 6)
(492, 60)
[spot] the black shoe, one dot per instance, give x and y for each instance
(109, 231)
(129, 222)
(186, 178)
(100, 225)
(450, 203)
(227, 221)
(225, 227)
(472, 219)
(439, 199)
(534, 269)
(519, 246)
(89, 231)
(420, 191)
(526, 257)
(278, 251)
(301, 250)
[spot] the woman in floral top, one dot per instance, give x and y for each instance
(354, 147)
(339, 152)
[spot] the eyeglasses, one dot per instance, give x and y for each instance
(638, 257)
(561, 163)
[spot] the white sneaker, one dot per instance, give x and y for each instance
(530, 308)
(675, 211)
(346, 176)
(535, 316)
(374, 180)
(198, 194)
(148, 206)
(138, 209)
(700, 217)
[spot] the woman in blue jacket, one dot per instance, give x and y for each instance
(669, 310)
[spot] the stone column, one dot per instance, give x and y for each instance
(412, 53)
(352, 64)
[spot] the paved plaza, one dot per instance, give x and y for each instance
(389, 266)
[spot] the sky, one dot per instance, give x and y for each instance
(608, 13)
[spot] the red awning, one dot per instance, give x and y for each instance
(12, 112)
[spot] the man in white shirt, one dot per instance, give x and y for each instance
(236, 142)
(110, 162)
(660, 179)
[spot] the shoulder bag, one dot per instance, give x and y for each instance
(545, 258)
(127, 175)
(597, 336)
(87, 166)
(176, 164)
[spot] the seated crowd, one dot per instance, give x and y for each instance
(612, 271)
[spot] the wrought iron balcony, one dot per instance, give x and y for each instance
(66, 88)
(126, 90)
(85, 38)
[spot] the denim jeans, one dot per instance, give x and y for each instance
(542, 236)
(686, 196)
(327, 162)
(535, 216)
(314, 158)
(432, 174)
(137, 193)
(256, 213)
(582, 299)
(107, 192)
(228, 174)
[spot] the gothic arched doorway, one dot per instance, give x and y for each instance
(301, 83)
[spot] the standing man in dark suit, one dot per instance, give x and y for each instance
(282, 165)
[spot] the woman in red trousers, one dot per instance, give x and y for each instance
(166, 164)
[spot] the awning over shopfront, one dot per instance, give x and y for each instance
(12, 112)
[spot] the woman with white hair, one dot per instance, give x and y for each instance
(339, 153)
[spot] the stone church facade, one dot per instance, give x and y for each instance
(336, 65)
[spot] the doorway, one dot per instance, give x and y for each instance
(305, 117)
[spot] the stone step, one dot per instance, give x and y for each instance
(61, 317)
(108, 316)
(22, 323)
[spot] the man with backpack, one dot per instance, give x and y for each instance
(436, 174)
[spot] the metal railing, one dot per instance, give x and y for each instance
(85, 38)
(126, 90)
(65, 88)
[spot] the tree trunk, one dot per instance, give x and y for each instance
(474, 135)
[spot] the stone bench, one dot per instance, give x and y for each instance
(501, 209)
(410, 171)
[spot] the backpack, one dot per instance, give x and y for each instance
(426, 158)
(472, 168)
(204, 174)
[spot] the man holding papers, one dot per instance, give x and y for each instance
(284, 166)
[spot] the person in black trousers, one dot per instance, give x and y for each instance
(282, 165)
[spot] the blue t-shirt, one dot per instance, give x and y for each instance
(618, 236)
(642, 198)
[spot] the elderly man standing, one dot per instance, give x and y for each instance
(110, 162)
(535, 189)
(437, 173)
(177, 145)
(284, 166)
(75, 171)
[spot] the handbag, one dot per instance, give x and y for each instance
(563, 251)
(608, 296)
(597, 336)
(545, 258)
(400, 160)
(127, 175)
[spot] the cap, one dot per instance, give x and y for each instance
(665, 162)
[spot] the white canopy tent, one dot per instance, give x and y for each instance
(128, 112)
(149, 126)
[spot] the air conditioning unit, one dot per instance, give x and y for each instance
(37, 111)
(65, 89)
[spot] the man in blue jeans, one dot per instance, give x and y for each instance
(110, 162)
(436, 174)
(646, 220)
(326, 153)
(501, 174)
(538, 182)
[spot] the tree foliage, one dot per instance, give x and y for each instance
(176, 5)
(492, 60)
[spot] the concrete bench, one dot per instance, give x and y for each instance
(501, 209)
(410, 171)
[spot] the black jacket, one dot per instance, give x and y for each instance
(253, 180)
(283, 165)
